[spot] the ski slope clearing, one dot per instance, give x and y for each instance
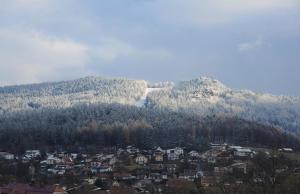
(143, 99)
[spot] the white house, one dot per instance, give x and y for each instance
(140, 159)
(105, 169)
(132, 150)
(74, 155)
(112, 161)
(51, 159)
(286, 150)
(7, 156)
(243, 152)
(175, 153)
(189, 175)
(194, 154)
(159, 149)
(30, 154)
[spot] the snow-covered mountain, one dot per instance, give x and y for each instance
(207, 96)
(89, 90)
(203, 96)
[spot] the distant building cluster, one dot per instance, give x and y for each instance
(132, 170)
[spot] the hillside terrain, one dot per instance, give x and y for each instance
(206, 96)
(117, 111)
(89, 90)
(203, 96)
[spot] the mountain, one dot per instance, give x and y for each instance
(203, 96)
(89, 90)
(207, 96)
(118, 111)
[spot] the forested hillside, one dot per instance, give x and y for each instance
(89, 90)
(119, 112)
(206, 96)
(121, 125)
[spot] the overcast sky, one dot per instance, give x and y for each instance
(247, 44)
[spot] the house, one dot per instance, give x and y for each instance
(222, 147)
(141, 160)
(211, 155)
(7, 156)
(142, 183)
(107, 157)
(112, 161)
(189, 175)
(31, 154)
(211, 160)
(62, 154)
(51, 160)
(164, 176)
(239, 166)
(57, 170)
(67, 160)
(132, 150)
(194, 154)
(123, 176)
(156, 177)
(174, 154)
(160, 149)
(115, 184)
(258, 180)
(95, 164)
(159, 155)
(220, 171)
(224, 157)
(243, 152)
(171, 168)
(141, 174)
(59, 190)
(286, 150)
(94, 170)
(74, 155)
(102, 169)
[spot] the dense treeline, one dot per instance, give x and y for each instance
(206, 96)
(89, 90)
(203, 97)
(120, 125)
(99, 111)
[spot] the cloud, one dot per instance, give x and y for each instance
(45, 40)
(248, 46)
(30, 57)
(25, 5)
(112, 49)
(203, 12)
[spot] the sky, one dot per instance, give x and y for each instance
(246, 44)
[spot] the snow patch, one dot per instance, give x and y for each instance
(142, 101)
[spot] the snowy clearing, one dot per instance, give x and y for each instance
(143, 99)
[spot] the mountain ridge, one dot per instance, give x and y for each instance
(202, 96)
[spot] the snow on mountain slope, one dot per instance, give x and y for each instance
(89, 90)
(207, 96)
(143, 100)
(203, 96)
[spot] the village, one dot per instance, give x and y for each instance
(131, 170)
